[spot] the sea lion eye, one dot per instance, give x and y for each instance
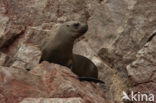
(76, 24)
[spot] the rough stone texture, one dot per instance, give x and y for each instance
(3, 59)
(29, 53)
(146, 88)
(47, 81)
(142, 71)
(16, 84)
(144, 67)
(120, 39)
(52, 100)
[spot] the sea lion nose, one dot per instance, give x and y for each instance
(84, 28)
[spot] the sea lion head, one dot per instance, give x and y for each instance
(74, 29)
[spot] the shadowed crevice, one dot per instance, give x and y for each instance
(11, 40)
(151, 37)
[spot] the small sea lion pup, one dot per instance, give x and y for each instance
(59, 51)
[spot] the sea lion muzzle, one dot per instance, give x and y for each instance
(84, 29)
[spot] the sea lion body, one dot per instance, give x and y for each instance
(57, 54)
(80, 65)
(59, 51)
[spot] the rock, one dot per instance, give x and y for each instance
(52, 100)
(29, 53)
(9, 36)
(21, 65)
(27, 56)
(138, 28)
(146, 88)
(3, 23)
(3, 59)
(143, 68)
(46, 81)
(16, 84)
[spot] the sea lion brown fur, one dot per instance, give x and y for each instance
(59, 51)
(80, 67)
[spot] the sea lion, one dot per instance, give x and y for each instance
(60, 51)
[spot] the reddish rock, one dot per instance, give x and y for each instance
(146, 88)
(3, 59)
(143, 68)
(46, 80)
(16, 84)
(142, 71)
(29, 54)
(52, 100)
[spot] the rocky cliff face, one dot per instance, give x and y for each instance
(120, 41)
